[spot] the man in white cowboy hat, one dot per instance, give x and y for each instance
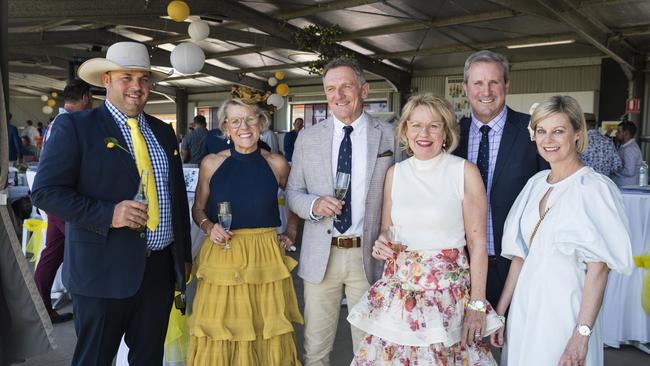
(122, 257)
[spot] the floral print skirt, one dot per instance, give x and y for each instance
(414, 313)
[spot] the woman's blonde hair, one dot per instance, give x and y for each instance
(434, 104)
(263, 118)
(569, 107)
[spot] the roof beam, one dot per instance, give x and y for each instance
(612, 47)
(73, 9)
(221, 33)
(52, 73)
(322, 7)
(273, 67)
(420, 25)
(235, 10)
(58, 38)
(477, 46)
(237, 52)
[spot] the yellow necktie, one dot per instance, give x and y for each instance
(143, 163)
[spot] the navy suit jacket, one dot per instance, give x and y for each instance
(80, 180)
(517, 161)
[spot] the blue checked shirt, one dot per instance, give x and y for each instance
(494, 136)
(163, 235)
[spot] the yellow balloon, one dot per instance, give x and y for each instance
(178, 10)
(51, 102)
(54, 94)
(279, 75)
(282, 89)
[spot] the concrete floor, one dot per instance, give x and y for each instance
(65, 339)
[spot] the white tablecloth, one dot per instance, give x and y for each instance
(623, 318)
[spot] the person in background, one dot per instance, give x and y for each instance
(123, 258)
(335, 257)
(630, 153)
(15, 146)
(40, 128)
(245, 302)
(290, 138)
(30, 131)
(270, 138)
(193, 146)
(601, 153)
(77, 97)
(564, 233)
(496, 139)
(27, 150)
(429, 306)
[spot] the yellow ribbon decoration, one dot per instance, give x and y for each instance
(143, 162)
(643, 261)
(35, 244)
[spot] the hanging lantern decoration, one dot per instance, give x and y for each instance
(51, 102)
(275, 100)
(279, 75)
(187, 58)
(178, 10)
(282, 89)
(44, 98)
(273, 81)
(47, 109)
(198, 30)
(54, 94)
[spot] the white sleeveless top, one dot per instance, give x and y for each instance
(427, 202)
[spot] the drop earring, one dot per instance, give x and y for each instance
(228, 140)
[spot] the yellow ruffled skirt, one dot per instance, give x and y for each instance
(245, 303)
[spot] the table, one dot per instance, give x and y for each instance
(623, 319)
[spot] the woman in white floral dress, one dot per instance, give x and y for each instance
(429, 307)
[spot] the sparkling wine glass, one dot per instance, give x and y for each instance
(225, 219)
(395, 240)
(341, 188)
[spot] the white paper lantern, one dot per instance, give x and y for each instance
(47, 109)
(198, 30)
(187, 58)
(273, 81)
(44, 98)
(275, 100)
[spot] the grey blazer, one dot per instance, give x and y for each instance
(311, 177)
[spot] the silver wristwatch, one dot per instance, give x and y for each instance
(583, 330)
(477, 305)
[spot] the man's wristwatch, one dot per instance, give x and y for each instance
(477, 305)
(583, 330)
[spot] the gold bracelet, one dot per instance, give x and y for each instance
(201, 224)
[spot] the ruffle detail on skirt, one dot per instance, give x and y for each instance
(277, 351)
(248, 317)
(254, 258)
(420, 300)
(374, 351)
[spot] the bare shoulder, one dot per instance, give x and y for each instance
(213, 161)
(276, 161)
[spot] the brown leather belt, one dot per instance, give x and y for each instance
(346, 242)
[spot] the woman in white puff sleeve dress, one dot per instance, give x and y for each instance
(564, 233)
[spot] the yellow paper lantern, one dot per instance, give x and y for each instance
(279, 75)
(282, 89)
(51, 102)
(178, 10)
(54, 94)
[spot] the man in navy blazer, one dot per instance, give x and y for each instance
(122, 280)
(496, 138)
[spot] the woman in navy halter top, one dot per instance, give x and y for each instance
(245, 303)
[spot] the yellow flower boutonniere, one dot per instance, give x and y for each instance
(111, 142)
(175, 152)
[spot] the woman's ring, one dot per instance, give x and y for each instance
(218, 238)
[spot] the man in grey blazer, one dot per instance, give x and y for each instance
(336, 257)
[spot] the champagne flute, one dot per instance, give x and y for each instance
(341, 188)
(225, 219)
(395, 241)
(141, 196)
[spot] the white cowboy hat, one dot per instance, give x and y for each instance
(120, 56)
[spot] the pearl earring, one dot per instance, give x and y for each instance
(228, 140)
